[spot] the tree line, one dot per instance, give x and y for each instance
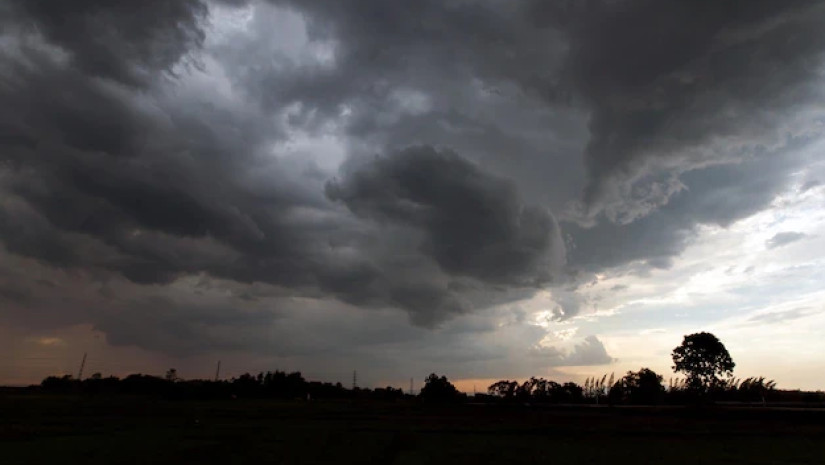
(702, 360)
(271, 384)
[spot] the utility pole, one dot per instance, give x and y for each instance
(82, 364)
(412, 391)
(354, 379)
(218, 371)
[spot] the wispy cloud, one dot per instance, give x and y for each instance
(784, 238)
(783, 316)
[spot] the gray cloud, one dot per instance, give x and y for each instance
(666, 80)
(782, 316)
(715, 195)
(664, 100)
(119, 40)
(783, 238)
(475, 224)
(811, 184)
(589, 352)
(145, 146)
(673, 110)
(173, 193)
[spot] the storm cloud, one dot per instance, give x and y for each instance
(676, 86)
(475, 224)
(203, 174)
(120, 40)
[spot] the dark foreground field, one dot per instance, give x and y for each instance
(48, 429)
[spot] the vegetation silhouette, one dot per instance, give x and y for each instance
(701, 356)
(439, 389)
(643, 387)
(272, 385)
(537, 390)
(704, 360)
(282, 417)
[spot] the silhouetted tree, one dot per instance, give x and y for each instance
(537, 390)
(282, 384)
(704, 360)
(505, 389)
(145, 384)
(97, 384)
(572, 392)
(171, 375)
(542, 390)
(640, 387)
(247, 385)
(59, 383)
(439, 389)
(388, 393)
(524, 392)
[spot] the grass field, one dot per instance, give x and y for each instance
(51, 429)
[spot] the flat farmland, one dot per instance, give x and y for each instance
(37, 429)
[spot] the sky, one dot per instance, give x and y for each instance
(484, 189)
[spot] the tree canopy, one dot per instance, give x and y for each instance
(703, 359)
(439, 389)
(536, 390)
(639, 387)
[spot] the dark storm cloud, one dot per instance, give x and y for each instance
(475, 224)
(122, 40)
(102, 178)
(383, 45)
(186, 327)
(157, 191)
(716, 195)
(121, 163)
(661, 79)
(665, 79)
(154, 187)
(442, 236)
(676, 91)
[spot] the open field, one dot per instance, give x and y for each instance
(54, 429)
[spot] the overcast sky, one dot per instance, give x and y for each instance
(482, 189)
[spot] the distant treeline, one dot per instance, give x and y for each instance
(271, 384)
(643, 387)
(701, 357)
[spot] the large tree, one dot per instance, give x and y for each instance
(703, 359)
(439, 389)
